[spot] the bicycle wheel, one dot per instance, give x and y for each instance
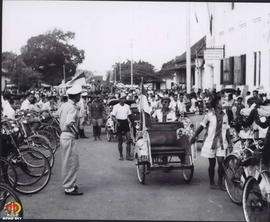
(33, 170)
(41, 144)
(36, 163)
(51, 138)
(256, 205)
(53, 130)
(10, 204)
(233, 184)
(7, 173)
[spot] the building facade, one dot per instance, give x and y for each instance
(174, 72)
(243, 30)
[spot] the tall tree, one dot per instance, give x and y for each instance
(51, 54)
(140, 69)
(20, 74)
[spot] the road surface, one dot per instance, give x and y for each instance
(112, 192)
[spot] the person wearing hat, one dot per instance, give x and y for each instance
(121, 114)
(68, 117)
(165, 113)
(82, 114)
(96, 110)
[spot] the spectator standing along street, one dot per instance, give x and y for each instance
(96, 110)
(82, 114)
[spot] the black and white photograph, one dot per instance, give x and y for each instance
(135, 110)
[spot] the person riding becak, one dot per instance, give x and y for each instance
(165, 114)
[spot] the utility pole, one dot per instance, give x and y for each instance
(120, 72)
(131, 67)
(114, 74)
(188, 66)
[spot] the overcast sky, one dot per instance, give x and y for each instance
(104, 30)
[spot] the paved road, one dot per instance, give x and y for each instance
(112, 191)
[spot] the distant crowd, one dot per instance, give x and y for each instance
(180, 102)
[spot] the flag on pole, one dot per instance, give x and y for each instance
(77, 80)
(144, 107)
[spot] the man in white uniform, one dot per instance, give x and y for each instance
(68, 116)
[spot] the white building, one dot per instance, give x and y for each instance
(243, 29)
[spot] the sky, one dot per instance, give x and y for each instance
(108, 32)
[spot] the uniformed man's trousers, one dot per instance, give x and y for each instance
(70, 159)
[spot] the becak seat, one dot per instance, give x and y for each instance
(163, 138)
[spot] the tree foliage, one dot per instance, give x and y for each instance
(19, 73)
(49, 53)
(140, 69)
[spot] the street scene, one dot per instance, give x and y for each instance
(112, 192)
(135, 111)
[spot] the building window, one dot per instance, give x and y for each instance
(227, 74)
(240, 70)
(226, 71)
(232, 5)
(237, 70)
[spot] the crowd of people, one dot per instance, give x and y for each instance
(222, 110)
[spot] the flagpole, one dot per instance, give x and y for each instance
(143, 114)
(64, 72)
(120, 72)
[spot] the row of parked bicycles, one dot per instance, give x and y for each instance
(246, 182)
(29, 143)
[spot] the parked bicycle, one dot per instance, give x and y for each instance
(31, 166)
